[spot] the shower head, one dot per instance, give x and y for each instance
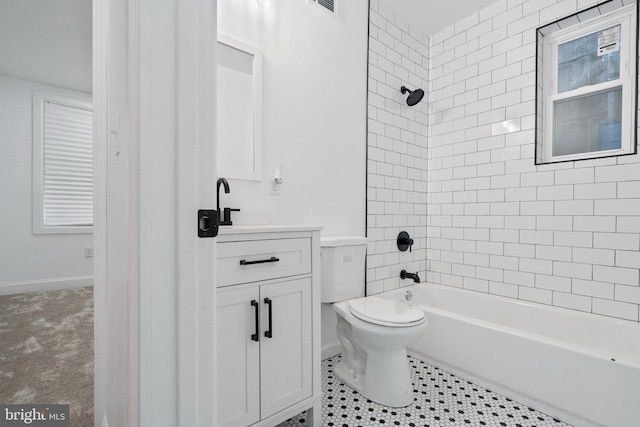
(414, 97)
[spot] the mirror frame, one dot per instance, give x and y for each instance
(256, 175)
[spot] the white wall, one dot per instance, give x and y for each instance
(463, 247)
(397, 149)
(30, 261)
(47, 42)
(565, 234)
(314, 111)
(46, 46)
(314, 116)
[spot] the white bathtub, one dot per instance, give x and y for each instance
(580, 368)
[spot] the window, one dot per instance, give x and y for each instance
(587, 86)
(62, 164)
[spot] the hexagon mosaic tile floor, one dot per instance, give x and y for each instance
(442, 400)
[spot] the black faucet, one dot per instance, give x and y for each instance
(414, 276)
(221, 181)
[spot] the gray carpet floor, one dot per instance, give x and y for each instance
(46, 350)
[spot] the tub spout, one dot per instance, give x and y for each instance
(405, 275)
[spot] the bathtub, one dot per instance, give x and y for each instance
(580, 368)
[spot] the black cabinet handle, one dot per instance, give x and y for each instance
(260, 261)
(269, 333)
(256, 336)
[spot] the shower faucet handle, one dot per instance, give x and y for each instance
(404, 241)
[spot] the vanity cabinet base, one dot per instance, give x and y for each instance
(268, 357)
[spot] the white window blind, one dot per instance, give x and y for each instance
(68, 165)
(63, 165)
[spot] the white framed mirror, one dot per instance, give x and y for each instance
(239, 110)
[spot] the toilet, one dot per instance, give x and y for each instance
(373, 332)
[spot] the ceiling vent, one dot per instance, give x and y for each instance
(329, 5)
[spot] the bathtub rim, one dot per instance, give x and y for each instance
(623, 361)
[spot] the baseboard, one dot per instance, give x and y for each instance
(331, 350)
(10, 288)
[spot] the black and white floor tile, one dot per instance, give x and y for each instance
(442, 400)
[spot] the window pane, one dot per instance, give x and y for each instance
(589, 60)
(588, 123)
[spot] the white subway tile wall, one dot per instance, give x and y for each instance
(397, 149)
(458, 170)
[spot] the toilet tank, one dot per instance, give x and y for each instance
(342, 271)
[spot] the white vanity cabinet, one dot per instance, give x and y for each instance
(268, 333)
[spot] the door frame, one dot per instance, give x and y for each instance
(116, 212)
(197, 185)
(130, 96)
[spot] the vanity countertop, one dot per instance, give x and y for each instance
(250, 229)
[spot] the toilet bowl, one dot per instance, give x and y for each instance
(374, 333)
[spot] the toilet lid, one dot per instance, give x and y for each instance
(382, 311)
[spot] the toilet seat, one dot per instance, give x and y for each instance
(385, 312)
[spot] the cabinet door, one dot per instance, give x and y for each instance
(238, 357)
(285, 364)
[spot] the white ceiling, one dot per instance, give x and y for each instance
(435, 15)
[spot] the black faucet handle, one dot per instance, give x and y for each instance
(404, 241)
(226, 219)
